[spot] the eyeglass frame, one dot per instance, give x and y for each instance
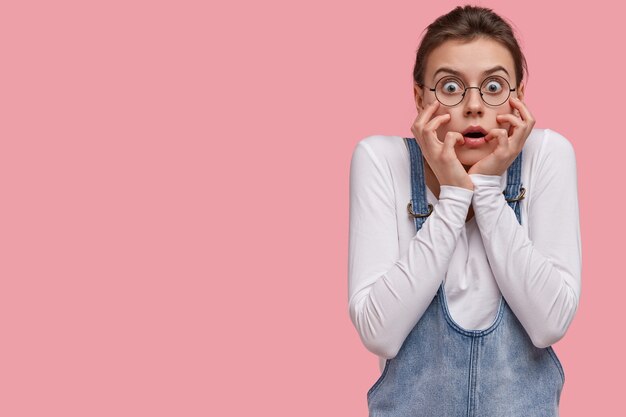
(434, 90)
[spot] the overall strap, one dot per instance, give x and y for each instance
(419, 208)
(514, 192)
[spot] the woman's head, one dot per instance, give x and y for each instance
(467, 47)
(466, 24)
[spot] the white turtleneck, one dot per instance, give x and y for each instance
(394, 272)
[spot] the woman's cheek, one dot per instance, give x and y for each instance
(442, 132)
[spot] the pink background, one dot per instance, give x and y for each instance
(174, 181)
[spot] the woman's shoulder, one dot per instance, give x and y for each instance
(547, 141)
(381, 149)
(547, 152)
(381, 144)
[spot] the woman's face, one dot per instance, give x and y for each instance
(471, 62)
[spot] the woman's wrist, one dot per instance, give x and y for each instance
(467, 184)
(454, 192)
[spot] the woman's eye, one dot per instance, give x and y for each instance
(493, 86)
(451, 87)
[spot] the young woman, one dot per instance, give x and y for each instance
(464, 251)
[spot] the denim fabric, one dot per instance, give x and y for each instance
(443, 369)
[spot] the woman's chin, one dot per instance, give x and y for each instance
(469, 157)
(469, 160)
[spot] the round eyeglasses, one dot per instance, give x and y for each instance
(450, 91)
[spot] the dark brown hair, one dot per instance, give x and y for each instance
(466, 24)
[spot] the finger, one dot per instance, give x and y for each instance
(501, 135)
(414, 124)
(425, 115)
(430, 130)
(511, 118)
(519, 131)
(423, 118)
(416, 131)
(525, 114)
(451, 139)
(437, 121)
(516, 124)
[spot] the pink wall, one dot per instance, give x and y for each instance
(174, 182)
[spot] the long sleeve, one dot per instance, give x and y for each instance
(389, 293)
(538, 272)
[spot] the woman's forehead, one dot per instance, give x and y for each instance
(470, 59)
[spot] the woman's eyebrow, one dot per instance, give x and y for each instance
(458, 74)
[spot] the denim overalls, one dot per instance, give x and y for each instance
(443, 369)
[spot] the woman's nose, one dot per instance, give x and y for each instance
(473, 101)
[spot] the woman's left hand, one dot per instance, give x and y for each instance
(510, 143)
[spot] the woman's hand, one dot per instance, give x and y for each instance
(440, 156)
(510, 143)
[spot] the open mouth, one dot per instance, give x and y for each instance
(475, 135)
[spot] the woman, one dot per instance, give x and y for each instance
(462, 292)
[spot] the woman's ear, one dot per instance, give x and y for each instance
(419, 98)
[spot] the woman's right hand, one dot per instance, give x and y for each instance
(440, 156)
